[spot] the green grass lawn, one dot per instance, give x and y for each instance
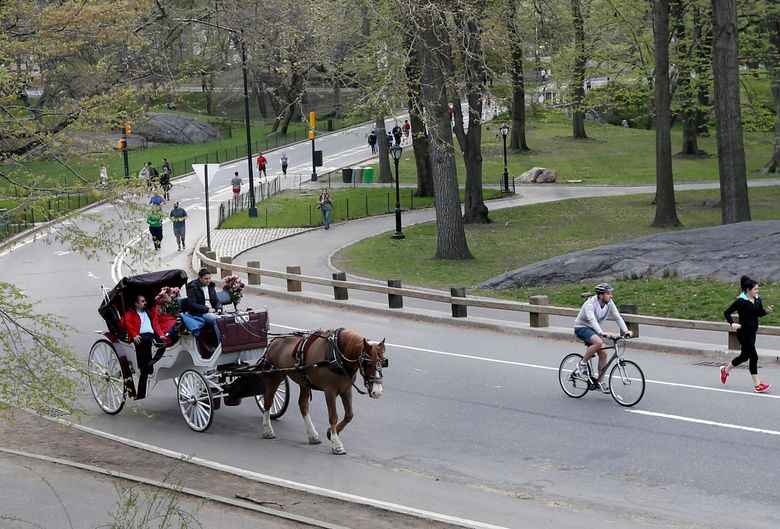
(529, 234)
(299, 209)
(611, 155)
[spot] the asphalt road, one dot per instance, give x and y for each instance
(473, 424)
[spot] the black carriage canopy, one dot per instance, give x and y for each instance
(123, 295)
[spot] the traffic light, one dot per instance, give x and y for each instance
(128, 130)
(313, 120)
(121, 144)
(311, 134)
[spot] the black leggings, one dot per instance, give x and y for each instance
(748, 341)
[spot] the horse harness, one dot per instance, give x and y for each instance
(334, 360)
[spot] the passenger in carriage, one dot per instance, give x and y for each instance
(203, 301)
(143, 329)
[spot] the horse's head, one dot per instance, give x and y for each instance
(372, 360)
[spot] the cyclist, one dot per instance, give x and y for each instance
(586, 328)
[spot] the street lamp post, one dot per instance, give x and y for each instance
(504, 132)
(252, 207)
(395, 152)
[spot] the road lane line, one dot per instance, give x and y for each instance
(548, 368)
(706, 422)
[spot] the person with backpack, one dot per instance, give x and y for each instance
(165, 183)
(397, 134)
(372, 141)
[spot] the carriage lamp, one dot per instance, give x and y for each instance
(504, 132)
(395, 152)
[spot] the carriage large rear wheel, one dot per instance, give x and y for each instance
(104, 373)
(280, 401)
(195, 401)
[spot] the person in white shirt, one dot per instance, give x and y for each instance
(586, 328)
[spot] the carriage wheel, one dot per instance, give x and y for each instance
(195, 401)
(104, 373)
(280, 401)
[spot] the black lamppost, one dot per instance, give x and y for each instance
(504, 132)
(395, 152)
(252, 207)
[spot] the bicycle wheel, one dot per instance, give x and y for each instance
(626, 383)
(571, 383)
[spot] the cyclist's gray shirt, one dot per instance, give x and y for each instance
(592, 313)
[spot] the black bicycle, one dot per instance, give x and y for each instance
(626, 380)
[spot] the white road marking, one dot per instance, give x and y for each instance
(555, 368)
(706, 422)
(60, 253)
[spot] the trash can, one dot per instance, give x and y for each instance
(357, 175)
(330, 125)
(346, 175)
(368, 175)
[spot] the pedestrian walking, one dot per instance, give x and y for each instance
(283, 159)
(326, 205)
(165, 184)
(236, 183)
(154, 175)
(261, 164)
(749, 307)
(178, 220)
(154, 220)
(406, 128)
(390, 139)
(143, 174)
(166, 166)
(372, 141)
(397, 134)
(103, 174)
(156, 200)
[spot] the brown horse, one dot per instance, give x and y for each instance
(327, 361)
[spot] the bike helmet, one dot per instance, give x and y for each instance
(602, 288)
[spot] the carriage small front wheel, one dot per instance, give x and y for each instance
(196, 403)
(280, 401)
(104, 373)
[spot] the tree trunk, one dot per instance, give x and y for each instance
(474, 209)
(773, 70)
(517, 140)
(288, 115)
(665, 207)
(450, 231)
(578, 82)
(690, 137)
(420, 142)
(207, 87)
(734, 199)
(385, 176)
(703, 36)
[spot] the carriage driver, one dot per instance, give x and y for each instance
(203, 300)
(143, 329)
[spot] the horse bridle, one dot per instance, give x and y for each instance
(363, 361)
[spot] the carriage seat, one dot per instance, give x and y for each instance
(222, 295)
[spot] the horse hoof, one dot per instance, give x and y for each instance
(314, 440)
(339, 451)
(328, 434)
(269, 435)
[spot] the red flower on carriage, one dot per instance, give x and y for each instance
(167, 301)
(234, 286)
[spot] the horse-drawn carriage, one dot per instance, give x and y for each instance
(207, 374)
(243, 364)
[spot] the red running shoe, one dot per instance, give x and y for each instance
(723, 374)
(763, 387)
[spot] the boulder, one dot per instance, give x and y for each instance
(158, 127)
(531, 175)
(547, 176)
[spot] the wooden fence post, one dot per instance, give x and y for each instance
(458, 311)
(630, 308)
(340, 292)
(733, 340)
(395, 301)
(253, 279)
(224, 271)
(210, 255)
(537, 319)
(293, 285)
